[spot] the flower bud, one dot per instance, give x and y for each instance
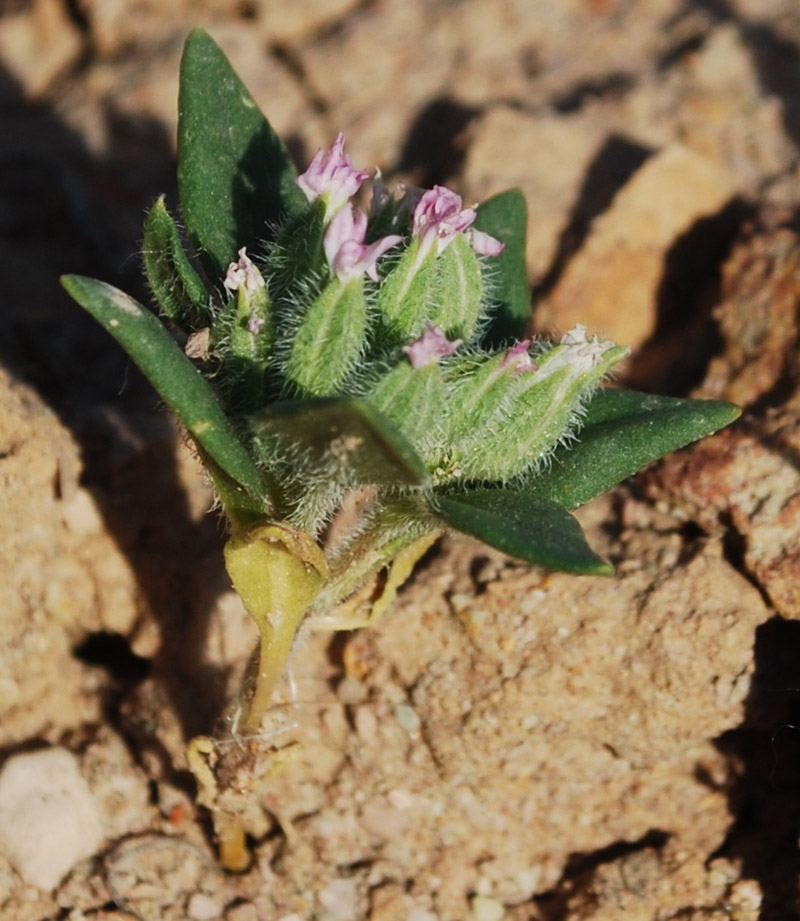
(412, 394)
(243, 331)
(438, 279)
(332, 178)
(528, 410)
(329, 340)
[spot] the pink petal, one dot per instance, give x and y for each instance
(438, 218)
(518, 359)
(331, 176)
(243, 274)
(486, 245)
(344, 248)
(430, 347)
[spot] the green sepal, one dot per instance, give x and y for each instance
(297, 255)
(413, 400)
(329, 340)
(346, 440)
(234, 175)
(531, 529)
(176, 380)
(505, 217)
(458, 294)
(622, 432)
(247, 353)
(176, 286)
(406, 295)
(539, 410)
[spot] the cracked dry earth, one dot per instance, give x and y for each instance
(506, 744)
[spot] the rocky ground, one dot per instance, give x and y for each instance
(506, 744)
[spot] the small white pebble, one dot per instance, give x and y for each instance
(483, 886)
(340, 898)
(421, 914)
(487, 909)
(202, 907)
(49, 819)
(407, 717)
(352, 691)
(745, 895)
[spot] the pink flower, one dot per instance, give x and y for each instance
(430, 347)
(583, 353)
(484, 244)
(243, 274)
(331, 177)
(344, 247)
(438, 219)
(518, 359)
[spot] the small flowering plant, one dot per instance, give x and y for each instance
(356, 383)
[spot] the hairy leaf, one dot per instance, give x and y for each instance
(505, 217)
(622, 432)
(345, 439)
(535, 530)
(234, 175)
(179, 384)
(175, 284)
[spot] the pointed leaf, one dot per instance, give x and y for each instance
(345, 439)
(175, 284)
(179, 384)
(234, 174)
(505, 217)
(535, 530)
(624, 431)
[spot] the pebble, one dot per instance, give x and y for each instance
(407, 717)
(202, 907)
(49, 820)
(485, 908)
(340, 899)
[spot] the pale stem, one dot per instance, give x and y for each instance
(275, 648)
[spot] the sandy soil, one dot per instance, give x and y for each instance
(505, 744)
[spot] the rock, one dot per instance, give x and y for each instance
(38, 45)
(288, 22)
(546, 156)
(202, 907)
(65, 573)
(611, 285)
(759, 311)
(48, 818)
(340, 900)
(485, 908)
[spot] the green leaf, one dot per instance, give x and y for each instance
(234, 175)
(343, 439)
(179, 384)
(535, 530)
(175, 284)
(624, 431)
(505, 217)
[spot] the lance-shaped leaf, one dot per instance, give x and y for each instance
(344, 439)
(534, 530)
(175, 284)
(622, 432)
(179, 384)
(234, 175)
(505, 217)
